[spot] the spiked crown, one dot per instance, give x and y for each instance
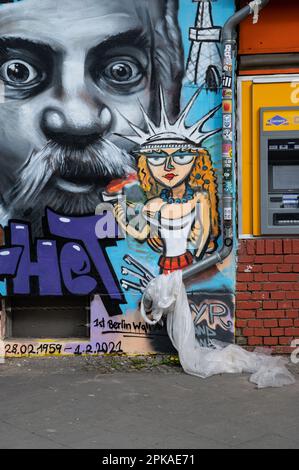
(168, 134)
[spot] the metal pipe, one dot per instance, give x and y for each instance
(207, 263)
(269, 60)
(229, 29)
(229, 43)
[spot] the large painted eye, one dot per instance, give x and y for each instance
(156, 160)
(182, 159)
(123, 72)
(17, 73)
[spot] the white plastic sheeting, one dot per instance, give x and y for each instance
(169, 297)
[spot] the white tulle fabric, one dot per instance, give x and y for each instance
(169, 298)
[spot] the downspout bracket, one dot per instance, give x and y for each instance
(255, 7)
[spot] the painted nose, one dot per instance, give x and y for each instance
(75, 127)
(168, 164)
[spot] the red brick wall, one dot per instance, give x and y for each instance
(267, 296)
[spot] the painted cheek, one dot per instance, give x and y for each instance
(154, 172)
(188, 170)
(29, 123)
(180, 175)
(127, 107)
(121, 113)
(14, 143)
(163, 180)
(158, 175)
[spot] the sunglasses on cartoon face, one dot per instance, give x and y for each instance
(179, 157)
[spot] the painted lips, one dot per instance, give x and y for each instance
(170, 176)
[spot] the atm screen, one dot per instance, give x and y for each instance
(283, 158)
(285, 177)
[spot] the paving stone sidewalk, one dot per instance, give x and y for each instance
(140, 402)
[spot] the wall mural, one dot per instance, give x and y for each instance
(204, 64)
(110, 156)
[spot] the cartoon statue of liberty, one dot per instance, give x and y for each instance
(178, 178)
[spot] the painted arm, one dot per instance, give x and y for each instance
(140, 235)
(202, 224)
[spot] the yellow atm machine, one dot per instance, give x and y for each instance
(268, 157)
(279, 170)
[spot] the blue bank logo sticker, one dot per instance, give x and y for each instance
(278, 121)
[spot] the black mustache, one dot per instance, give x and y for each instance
(102, 159)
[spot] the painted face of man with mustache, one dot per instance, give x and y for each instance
(70, 71)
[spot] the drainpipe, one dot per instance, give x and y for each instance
(229, 42)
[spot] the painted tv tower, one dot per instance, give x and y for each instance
(204, 65)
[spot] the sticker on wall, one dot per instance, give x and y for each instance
(227, 106)
(227, 81)
(228, 211)
(227, 93)
(227, 166)
(227, 135)
(228, 68)
(227, 150)
(227, 121)
(227, 54)
(227, 58)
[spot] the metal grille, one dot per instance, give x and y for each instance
(49, 317)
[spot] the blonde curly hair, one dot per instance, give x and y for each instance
(201, 178)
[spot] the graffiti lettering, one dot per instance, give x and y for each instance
(123, 326)
(213, 313)
(103, 347)
(71, 259)
(205, 335)
(212, 320)
(31, 349)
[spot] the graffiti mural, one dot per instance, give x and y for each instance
(212, 317)
(176, 174)
(66, 90)
(110, 162)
